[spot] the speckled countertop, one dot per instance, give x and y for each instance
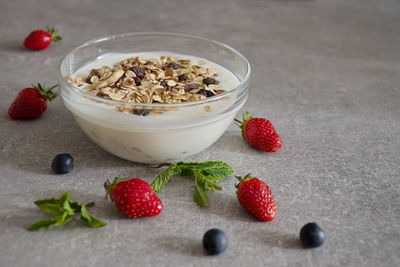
(325, 72)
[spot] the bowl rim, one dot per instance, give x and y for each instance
(242, 85)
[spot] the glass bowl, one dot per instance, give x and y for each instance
(178, 130)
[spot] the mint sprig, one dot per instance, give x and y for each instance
(63, 210)
(205, 175)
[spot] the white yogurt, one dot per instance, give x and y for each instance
(171, 136)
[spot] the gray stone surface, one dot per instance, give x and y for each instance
(325, 72)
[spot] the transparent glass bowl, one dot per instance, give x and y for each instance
(182, 129)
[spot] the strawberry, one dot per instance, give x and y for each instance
(134, 197)
(260, 133)
(40, 39)
(256, 197)
(31, 102)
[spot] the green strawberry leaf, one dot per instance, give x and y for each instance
(90, 220)
(46, 91)
(163, 178)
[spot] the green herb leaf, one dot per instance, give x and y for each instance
(216, 170)
(75, 206)
(186, 172)
(163, 178)
(212, 186)
(90, 220)
(56, 220)
(51, 205)
(220, 169)
(64, 203)
(63, 208)
(200, 195)
(205, 175)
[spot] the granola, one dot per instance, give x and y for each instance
(140, 80)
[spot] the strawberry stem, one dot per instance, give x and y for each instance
(53, 33)
(245, 178)
(46, 92)
(238, 121)
(109, 186)
(246, 117)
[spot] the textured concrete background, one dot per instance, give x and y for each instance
(325, 72)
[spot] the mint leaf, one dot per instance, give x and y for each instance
(51, 205)
(163, 178)
(90, 220)
(200, 195)
(63, 218)
(205, 175)
(220, 169)
(212, 186)
(56, 220)
(207, 165)
(56, 205)
(199, 165)
(186, 172)
(64, 203)
(217, 169)
(63, 209)
(45, 224)
(75, 206)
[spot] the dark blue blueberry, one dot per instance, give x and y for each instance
(215, 241)
(62, 163)
(312, 236)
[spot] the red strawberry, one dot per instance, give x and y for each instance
(31, 102)
(260, 133)
(134, 197)
(256, 197)
(39, 39)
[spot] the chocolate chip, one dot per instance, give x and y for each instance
(208, 81)
(137, 80)
(182, 77)
(173, 65)
(93, 72)
(205, 92)
(191, 86)
(141, 112)
(138, 71)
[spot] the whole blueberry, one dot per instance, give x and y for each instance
(311, 235)
(62, 163)
(215, 241)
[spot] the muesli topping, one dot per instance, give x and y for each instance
(140, 80)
